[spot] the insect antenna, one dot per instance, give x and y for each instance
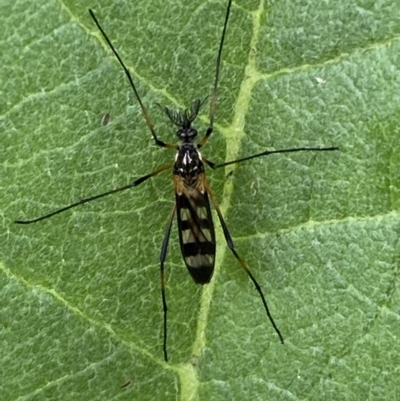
(187, 116)
(195, 107)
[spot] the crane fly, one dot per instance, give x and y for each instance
(192, 192)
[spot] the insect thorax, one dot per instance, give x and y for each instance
(188, 164)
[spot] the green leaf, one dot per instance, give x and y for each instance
(81, 309)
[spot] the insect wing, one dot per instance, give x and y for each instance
(196, 234)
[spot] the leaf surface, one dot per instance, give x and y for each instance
(80, 293)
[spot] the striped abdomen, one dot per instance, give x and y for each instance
(196, 234)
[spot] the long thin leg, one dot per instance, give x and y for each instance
(128, 74)
(270, 152)
(163, 256)
(214, 95)
(231, 246)
(86, 200)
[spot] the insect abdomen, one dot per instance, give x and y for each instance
(196, 235)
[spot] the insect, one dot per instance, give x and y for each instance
(106, 118)
(192, 192)
(126, 384)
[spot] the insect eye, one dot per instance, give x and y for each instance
(186, 133)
